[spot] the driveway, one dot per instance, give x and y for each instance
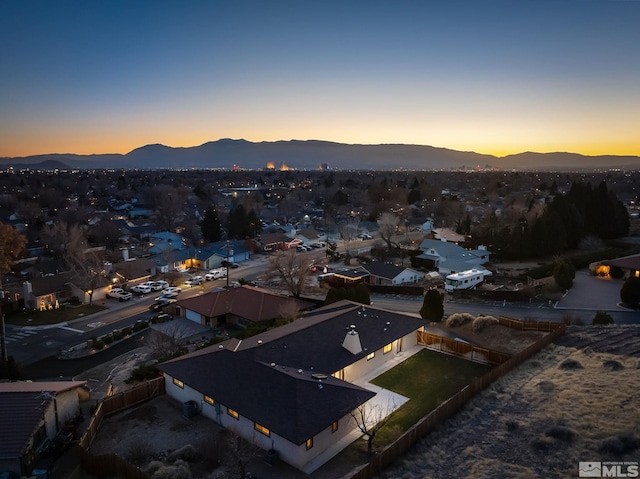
(593, 293)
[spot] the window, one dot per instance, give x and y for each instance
(178, 383)
(309, 443)
(232, 413)
(370, 356)
(261, 429)
(334, 426)
(209, 400)
(387, 348)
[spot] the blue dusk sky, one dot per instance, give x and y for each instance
(498, 77)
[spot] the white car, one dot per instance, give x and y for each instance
(141, 289)
(153, 285)
(196, 280)
(119, 293)
(171, 289)
(162, 284)
(215, 274)
(365, 236)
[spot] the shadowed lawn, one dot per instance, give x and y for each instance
(53, 316)
(427, 378)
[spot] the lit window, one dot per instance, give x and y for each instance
(232, 413)
(178, 383)
(370, 356)
(309, 443)
(261, 429)
(386, 349)
(334, 426)
(209, 400)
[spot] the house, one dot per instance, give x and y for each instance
(350, 276)
(275, 241)
(629, 264)
(165, 241)
(310, 235)
(241, 306)
(390, 274)
(291, 390)
(447, 257)
(31, 413)
(133, 271)
(50, 292)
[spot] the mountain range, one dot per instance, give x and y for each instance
(309, 154)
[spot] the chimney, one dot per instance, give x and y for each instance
(352, 341)
(125, 254)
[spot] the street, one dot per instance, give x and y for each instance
(29, 345)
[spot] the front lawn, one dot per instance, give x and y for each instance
(427, 378)
(52, 316)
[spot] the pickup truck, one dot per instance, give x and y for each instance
(119, 293)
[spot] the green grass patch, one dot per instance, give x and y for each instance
(427, 378)
(53, 316)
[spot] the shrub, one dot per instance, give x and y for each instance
(117, 335)
(143, 373)
(602, 319)
(458, 319)
(127, 331)
(620, 444)
(562, 433)
(481, 322)
(186, 453)
(569, 364)
(107, 339)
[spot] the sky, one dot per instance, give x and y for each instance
(496, 77)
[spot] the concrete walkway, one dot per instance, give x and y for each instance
(384, 400)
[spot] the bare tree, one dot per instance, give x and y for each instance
(237, 453)
(293, 269)
(166, 340)
(388, 224)
(11, 245)
(371, 418)
(348, 232)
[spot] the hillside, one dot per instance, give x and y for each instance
(226, 153)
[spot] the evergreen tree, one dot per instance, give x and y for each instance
(630, 292)
(210, 226)
(362, 294)
(432, 306)
(563, 274)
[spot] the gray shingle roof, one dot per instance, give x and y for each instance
(271, 382)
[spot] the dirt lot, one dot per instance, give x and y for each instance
(572, 402)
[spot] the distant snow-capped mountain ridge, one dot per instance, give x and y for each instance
(309, 154)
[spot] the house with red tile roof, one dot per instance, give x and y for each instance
(242, 306)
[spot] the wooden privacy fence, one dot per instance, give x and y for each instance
(460, 348)
(447, 409)
(111, 464)
(513, 323)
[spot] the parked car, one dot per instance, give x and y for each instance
(303, 247)
(119, 293)
(319, 244)
(365, 236)
(172, 289)
(213, 274)
(229, 264)
(162, 284)
(141, 289)
(196, 280)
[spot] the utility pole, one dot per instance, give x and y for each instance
(3, 337)
(227, 264)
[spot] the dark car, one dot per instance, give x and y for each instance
(161, 303)
(229, 264)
